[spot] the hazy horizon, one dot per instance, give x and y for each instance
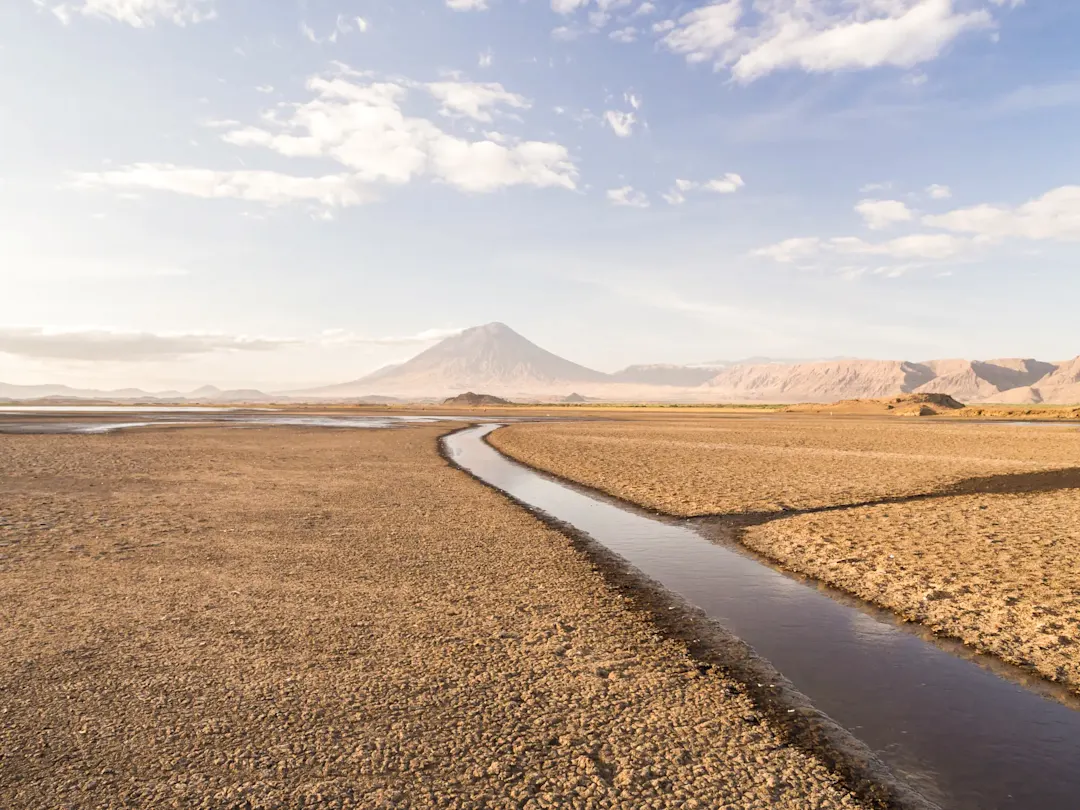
(210, 191)
(270, 387)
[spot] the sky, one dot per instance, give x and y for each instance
(282, 194)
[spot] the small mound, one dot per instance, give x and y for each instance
(575, 398)
(903, 405)
(472, 400)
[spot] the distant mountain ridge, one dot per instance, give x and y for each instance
(495, 360)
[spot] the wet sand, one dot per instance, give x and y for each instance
(332, 618)
(999, 571)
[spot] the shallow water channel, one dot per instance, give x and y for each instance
(91, 419)
(953, 729)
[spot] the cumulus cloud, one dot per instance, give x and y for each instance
(937, 192)
(467, 5)
(270, 188)
(819, 36)
(360, 124)
(621, 123)
(1054, 216)
(728, 184)
(476, 100)
(140, 13)
(625, 35)
(628, 196)
(103, 345)
(881, 214)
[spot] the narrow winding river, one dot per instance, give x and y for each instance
(963, 736)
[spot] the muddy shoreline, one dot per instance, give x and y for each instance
(713, 646)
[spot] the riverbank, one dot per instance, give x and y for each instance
(997, 571)
(270, 617)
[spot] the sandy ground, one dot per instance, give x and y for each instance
(1000, 572)
(291, 618)
(724, 466)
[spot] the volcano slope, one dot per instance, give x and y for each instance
(994, 561)
(270, 618)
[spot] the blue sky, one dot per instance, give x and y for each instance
(289, 193)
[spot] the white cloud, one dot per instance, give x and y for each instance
(567, 6)
(663, 26)
(485, 59)
(265, 88)
(360, 124)
(915, 247)
(340, 337)
(791, 250)
(343, 25)
(625, 35)
(627, 196)
(937, 192)
(474, 100)
(1054, 216)
(881, 214)
(270, 188)
(565, 33)
(598, 19)
(102, 345)
(936, 247)
(467, 5)
(727, 184)
(621, 123)
(645, 8)
(633, 100)
(140, 13)
(820, 36)
(704, 33)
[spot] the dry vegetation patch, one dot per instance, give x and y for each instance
(722, 466)
(272, 618)
(1000, 572)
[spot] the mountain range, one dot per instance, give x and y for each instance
(494, 359)
(497, 360)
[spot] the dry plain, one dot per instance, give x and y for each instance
(997, 567)
(279, 618)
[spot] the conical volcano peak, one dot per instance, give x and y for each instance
(491, 358)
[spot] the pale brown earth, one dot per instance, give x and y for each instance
(999, 572)
(728, 465)
(285, 618)
(924, 404)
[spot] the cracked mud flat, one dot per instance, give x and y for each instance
(1000, 572)
(288, 617)
(724, 466)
